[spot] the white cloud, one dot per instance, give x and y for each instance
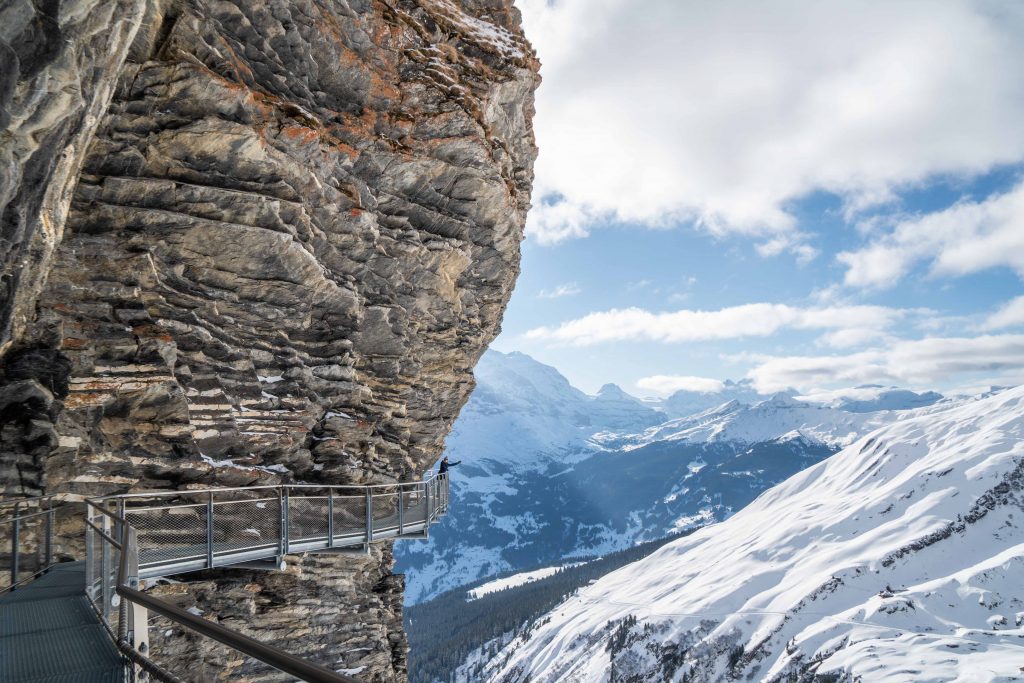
(850, 337)
(831, 396)
(568, 289)
(965, 238)
(749, 320)
(793, 243)
(669, 384)
(1010, 315)
(922, 362)
(724, 112)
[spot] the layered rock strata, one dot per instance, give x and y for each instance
(294, 231)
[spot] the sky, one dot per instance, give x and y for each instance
(804, 195)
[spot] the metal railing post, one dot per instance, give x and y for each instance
(49, 540)
(285, 522)
(280, 522)
(330, 518)
(209, 529)
(369, 517)
(401, 511)
(15, 542)
(426, 510)
(136, 616)
(90, 555)
(121, 519)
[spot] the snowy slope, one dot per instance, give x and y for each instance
(515, 580)
(899, 559)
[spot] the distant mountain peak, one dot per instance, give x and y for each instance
(611, 390)
(782, 398)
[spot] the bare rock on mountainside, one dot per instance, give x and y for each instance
(275, 257)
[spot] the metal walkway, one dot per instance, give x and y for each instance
(60, 626)
(49, 633)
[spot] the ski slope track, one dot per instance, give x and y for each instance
(900, 558)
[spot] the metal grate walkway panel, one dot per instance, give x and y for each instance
(50, 634)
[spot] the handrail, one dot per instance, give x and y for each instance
(226, 489)
(18, 500)
(268, 654)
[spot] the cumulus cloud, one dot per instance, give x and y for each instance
(568, 289)
(748, 320)
(725, 112)
(920, 362)
(1010, 315)
(669, 384)
(965, 238)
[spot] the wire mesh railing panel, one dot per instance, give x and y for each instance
(112, 613)
(247, 523)
(308, 517)
(385, 511)
(349, 515)
(169, 533)
(103, 563)
(94, 568)
(19, 550)
(26, 538)
(414, 507)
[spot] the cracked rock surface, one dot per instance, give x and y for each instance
(275, 257)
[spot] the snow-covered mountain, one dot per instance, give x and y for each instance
(766, 420)
(684, 403)
(550, 473)
(898, 559)
(526, 414)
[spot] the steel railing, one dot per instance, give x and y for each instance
(26, 532)
(135, 536)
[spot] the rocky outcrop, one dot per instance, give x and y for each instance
(293, 234)
(60, 61)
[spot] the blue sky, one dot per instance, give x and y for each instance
(851, 213)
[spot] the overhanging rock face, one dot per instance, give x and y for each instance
(293, 234)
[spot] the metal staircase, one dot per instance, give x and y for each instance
(133, 537)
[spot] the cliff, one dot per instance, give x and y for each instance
(252, 242)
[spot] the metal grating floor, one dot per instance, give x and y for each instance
(50, 634)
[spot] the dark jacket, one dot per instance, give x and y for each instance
(445, 465)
